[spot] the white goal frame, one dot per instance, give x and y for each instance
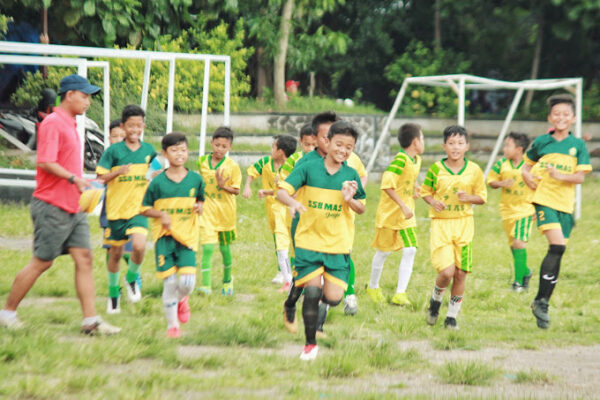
(459, 83)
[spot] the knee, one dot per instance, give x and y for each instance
(313, 293)
(331, 302)
(186, 284)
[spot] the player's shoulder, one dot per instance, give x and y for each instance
(230, 163)
(472, 165)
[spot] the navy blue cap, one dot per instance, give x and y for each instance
(77, 82)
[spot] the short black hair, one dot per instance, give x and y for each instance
(343, 128)
(521, 139)
(453, 130)
(287, 143)
(307, 130)
(407, 133)
(115, 123)
(132, 110)
(223, 132)
(560, 98)
(173, 139)
(322, 118)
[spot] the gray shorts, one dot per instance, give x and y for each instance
(55, 230)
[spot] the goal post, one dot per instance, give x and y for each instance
(459, 83)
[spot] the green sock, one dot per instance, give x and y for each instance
(133, 271)
(207, 252)
(351, 279)
(520, 257)
(113, 283)
(226, 252)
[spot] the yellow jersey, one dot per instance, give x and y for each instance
(515, 201)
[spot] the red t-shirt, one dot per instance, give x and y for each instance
(58, 141)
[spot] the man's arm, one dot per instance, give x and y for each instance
(58, 170)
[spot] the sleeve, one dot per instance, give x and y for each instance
(106, 162)
(429, 184)
(479, 187)
(150, 196)
(255, 170)
(494, 174)
(236, 176)
(389, 180)
(360, 192)
(199, 162)
(359, 166)
(583, 159)
(296, 180)
(200, 195)
(48, 143)
(287, 167)
(532, 155)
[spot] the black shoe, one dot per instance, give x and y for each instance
(517, 287)
(450, 323)
(539, 308)
(434, 311)
(526, 280)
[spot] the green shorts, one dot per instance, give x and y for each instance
(226, 237)
(333, 267)
(549, 218)
(171, 257)
(118, 231)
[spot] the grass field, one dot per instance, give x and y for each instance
(237, 348)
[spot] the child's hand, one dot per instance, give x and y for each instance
(124, 169)
(221, 178)
(462, 196)
(438, 206)
(506, 183)
(198, 207)
(296, 207)
(349, 189)
(530, 179)
(262, 194)
(552, 172)
(408, 213)
(417, 193)
(165, 220)
(248, 192)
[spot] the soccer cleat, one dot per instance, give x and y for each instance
(289, 319)
(526, 280)
(227, 288)
(183, 310)
(400, 299)
(278, 279)
(376, 295)
(517, 287)
(350, 305)
(285, 288)
(11, 323)
(309, 352)
(139, 280)
(539, 308)
(134, 294)
(173, 333)
(434, 311)
(205, 290)
(450, 323)
(113, 305)
(100, 328)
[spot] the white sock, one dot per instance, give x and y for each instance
(377, 268)
(90, 320)
(454, 306)
(10, 315)
(186, 285)
(438, 293)
(169, 297)
(283, 259)
(405, 269)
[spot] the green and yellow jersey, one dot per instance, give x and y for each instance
(515, 201)
(289, 164)
(124, 193)
(264, 169)
(220, 206)
(177, 199)
(444, 185)
(401, 176)
(568, 157)
(327, 224)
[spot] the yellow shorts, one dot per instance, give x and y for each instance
(282, 222)
(209, 235)
(517, 228)
(270, 216)
(450, 243)
(387, 239)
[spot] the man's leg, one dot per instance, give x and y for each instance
(24, 281)
(84, 279)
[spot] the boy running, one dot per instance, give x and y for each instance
(395, 221)
(332, 190)
(123, 167)
(516, 209)
(563, 161)
(175, 199)
(223, 178)
(451, 186)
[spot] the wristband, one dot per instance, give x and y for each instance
(71, 179)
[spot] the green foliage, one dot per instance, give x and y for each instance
(468, 373)
(419, 60)
(533, 377)
(3, 24)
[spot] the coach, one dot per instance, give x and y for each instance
(59, 225)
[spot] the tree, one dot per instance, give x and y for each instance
(280, 57)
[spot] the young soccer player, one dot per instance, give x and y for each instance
(223, 178)
(267, 169)
(323, 237)
(516, 209)
(175, 199)
(564, 161)
(451, 186)
(123, 167)
(395, 221)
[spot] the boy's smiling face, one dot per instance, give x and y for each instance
(561, 117)
(133, 127)
(455, 147)
(177, 154)
(340, 147)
